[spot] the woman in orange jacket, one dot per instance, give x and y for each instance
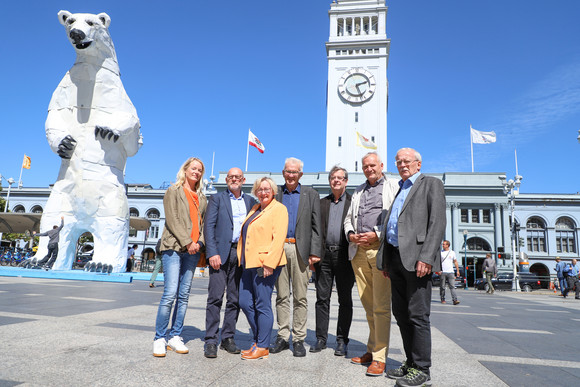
(261, 255)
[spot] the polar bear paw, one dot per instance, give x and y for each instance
(105, 133)
(98, 267)
(66, 147)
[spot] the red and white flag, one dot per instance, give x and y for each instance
(253, 140)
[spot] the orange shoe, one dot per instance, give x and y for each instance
(257, 353)
(376, 368)
(248, 351)
(365, 359)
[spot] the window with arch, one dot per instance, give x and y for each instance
(36, 210)
(153, 215)
(565, 235)
(536, 234)
(478, 244)
(133, 212)
(19, 209)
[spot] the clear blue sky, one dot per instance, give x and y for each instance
(200, 73)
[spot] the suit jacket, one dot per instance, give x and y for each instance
(265, 237)
(218, 226)
(390, 188)
(308, 236)
(324, 213)
(421, 226)
(177, 232)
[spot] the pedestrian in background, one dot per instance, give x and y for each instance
(448, 260)
(158, 264)
(490, 269)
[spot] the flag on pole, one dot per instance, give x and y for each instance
(253, 141)
(364, 142)
(479, 137)
(26, 162)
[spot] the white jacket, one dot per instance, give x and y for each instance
(390, 189)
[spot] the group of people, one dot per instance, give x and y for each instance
(386, 237)
(568, 277)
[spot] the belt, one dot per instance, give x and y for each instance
(234, 244)
(332, 249)
(290, 240)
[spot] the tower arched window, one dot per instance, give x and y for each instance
(36, 210)
(536, 234)
(565, 235)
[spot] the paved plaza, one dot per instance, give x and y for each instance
(72, 333)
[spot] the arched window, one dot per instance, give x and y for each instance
(153, 215)
(565, 235)
(19, 209)
(477, 244)
(36, 210)
(133, 212)
(536, 234)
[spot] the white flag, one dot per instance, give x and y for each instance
(479, 137)
(364, 142)
(253, 140)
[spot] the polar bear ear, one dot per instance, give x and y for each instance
(105, 19)
(62, 16)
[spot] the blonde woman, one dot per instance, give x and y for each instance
(181, 242)
(261, 255)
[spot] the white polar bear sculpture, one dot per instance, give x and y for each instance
(93, 126)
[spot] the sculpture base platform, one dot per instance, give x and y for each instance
(77, 275)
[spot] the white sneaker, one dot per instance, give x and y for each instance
(176, 344)
(159, 348)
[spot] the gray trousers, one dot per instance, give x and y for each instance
(448, 278)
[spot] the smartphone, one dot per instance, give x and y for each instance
(260, 271)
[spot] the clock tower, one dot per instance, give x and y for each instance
(357, 94)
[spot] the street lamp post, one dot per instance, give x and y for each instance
(10, 182)
(511, 189)
(465, 262)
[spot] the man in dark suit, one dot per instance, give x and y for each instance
(334, 264)
(225, 215)
(409, 253)
(303, 249)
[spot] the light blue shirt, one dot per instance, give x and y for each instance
(575, 270)
(239, 213)
(393, 224)
(291, 200)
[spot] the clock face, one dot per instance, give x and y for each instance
(357, 85)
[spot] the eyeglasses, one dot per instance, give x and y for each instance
(291, 172)
(398, 163)
(264, 190)
(235, 177)
(339, 178)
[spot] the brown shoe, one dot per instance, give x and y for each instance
(248, 351)
(365, 359)
(257, 353)
(443, 302)
(376, 368)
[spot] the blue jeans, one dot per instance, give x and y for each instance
(256, 303)
(178, 271)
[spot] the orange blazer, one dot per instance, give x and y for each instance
(265, 237)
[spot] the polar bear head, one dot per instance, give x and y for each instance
(88, 33)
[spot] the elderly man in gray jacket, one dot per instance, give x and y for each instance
(409, 254)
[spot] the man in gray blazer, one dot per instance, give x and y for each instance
(225, 215)
(303, 248)
(408, 255)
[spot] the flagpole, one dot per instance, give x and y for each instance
(248, 149)
(20, 178)
(516, 156)
(471, 142)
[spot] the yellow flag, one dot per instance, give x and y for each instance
(26, 162)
